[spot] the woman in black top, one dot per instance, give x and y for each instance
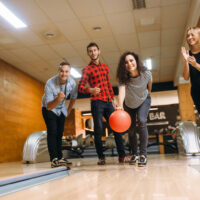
(191, 63)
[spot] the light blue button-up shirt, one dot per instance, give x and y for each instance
(53, 87)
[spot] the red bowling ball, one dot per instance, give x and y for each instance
(120, 121)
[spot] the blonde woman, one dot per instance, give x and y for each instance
(191, 63)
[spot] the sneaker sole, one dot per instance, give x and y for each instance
(65, 164)
(141, 165)
(130, 163)
(55, 166)
(101, 164)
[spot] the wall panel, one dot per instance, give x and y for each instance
(20, 110)
(186, 107)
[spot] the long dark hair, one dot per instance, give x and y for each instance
(123, 76)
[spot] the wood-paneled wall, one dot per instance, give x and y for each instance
(186, 107)
(20, 110)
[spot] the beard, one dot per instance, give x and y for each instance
(95, 58)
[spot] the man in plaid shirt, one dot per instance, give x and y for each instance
(97, 75)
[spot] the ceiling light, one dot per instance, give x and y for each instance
(10, 17)
(148, 63)
(75, 73)
(96, 28)
(50, 35)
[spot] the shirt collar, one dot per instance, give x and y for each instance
(92, 63)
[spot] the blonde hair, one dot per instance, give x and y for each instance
(196, 29)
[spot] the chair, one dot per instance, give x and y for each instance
(164, 139)
(78, 145)
(109, 144)
(87, 141)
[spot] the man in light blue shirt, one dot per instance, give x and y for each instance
(54, 110)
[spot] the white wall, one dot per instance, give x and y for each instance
(158, 98)
(164, 98)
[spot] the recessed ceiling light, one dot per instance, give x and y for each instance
(10, 17)
(50, 35)
(97, 28)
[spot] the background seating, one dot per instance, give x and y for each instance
(77, 144)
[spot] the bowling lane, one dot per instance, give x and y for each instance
(165, 177)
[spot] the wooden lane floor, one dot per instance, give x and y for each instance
(13, 169)
(166, 177)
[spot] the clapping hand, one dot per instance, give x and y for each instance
(185, 54)
(192, 61)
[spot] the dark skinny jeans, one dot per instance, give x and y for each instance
(55, 128)
(141, 113)
(99, 110)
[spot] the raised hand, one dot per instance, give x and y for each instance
(95, 90)
(185, 53)
(192, 61)
(61, 96)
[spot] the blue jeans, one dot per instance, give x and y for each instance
(141, 113)
(99, 110)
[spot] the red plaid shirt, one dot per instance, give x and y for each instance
(97, 76)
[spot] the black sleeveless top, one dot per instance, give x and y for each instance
(194, 73)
